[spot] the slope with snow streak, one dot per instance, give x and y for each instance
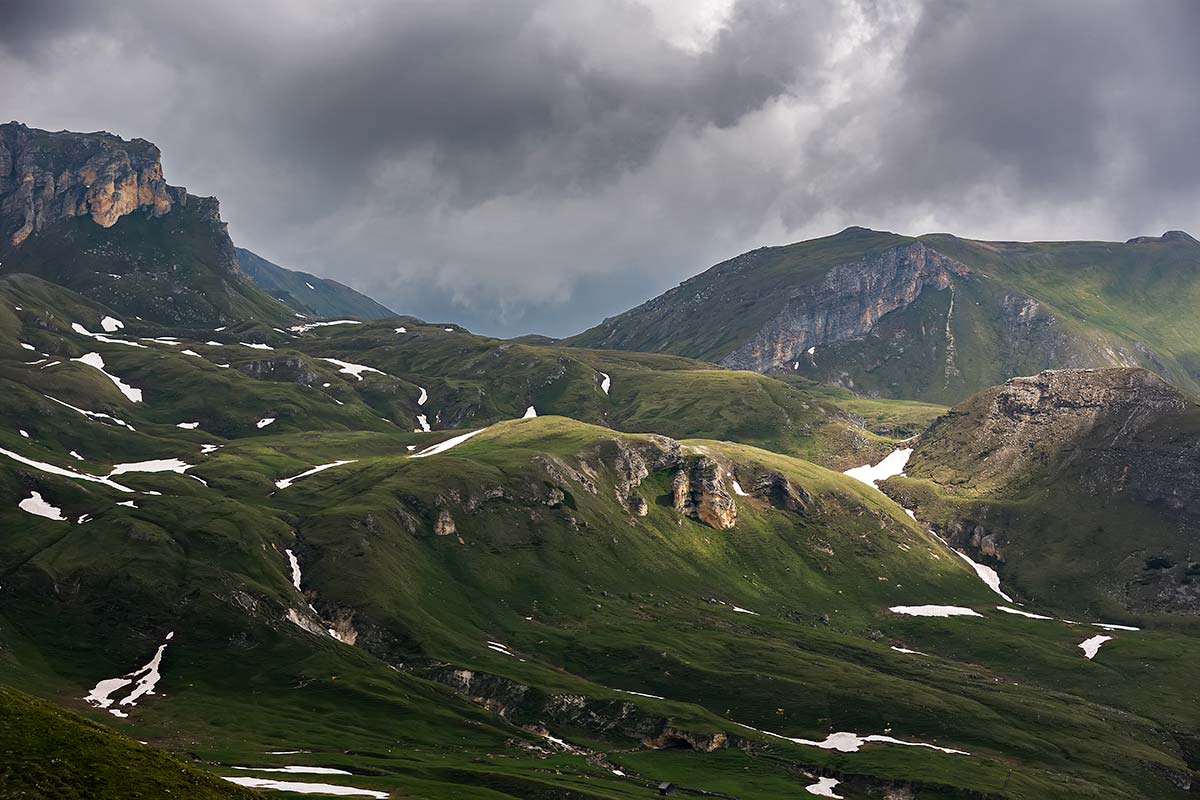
(96, 362)
(286, 482)
(300, 787)
(154, 465)
(442, 447)
(893, 464)
(147, 677)
(934, 611)
(846, 742)
(353, 369)
(62, 471)
(34, 504)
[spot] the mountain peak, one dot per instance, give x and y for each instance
(1168, 236)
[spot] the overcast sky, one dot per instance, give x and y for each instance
(525, 166)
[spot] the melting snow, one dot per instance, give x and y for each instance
(530, 413)
(352, 369)
(205, 449)
(128, 504)
(295, 565)
(500, 648)
(218, 330)
(64, 472)
(1021, 613)
(824, 788)
(423, 422)
(741, 610)
(737, 489)
(300, 787)
(1092, 646)
(34, 504)
(264, 422)
(309, 285)
(75, 455)
(424, 396)
(934, 611)
(28, 346)
(301, 770)
(257, 345)
(95, 361)
(286, 482)
(985, 573)
(154, 465)
(641, 694)
(211, 343)
(1111, 627)
(910, 652)
(24, 434)
(189, 426)
(191, 353)
(605, 382)
(100, 337)
(146, 677)
(111, 324)
(401, 330)
(892, 465)
(308, 326)
(442, 447)
(845, 742)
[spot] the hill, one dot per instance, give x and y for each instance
(932, 318)
(308, 294)
(93, 213)
(1079, 486)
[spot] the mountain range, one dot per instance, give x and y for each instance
(869, 516)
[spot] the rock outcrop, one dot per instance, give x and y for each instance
(846, 304)
(698, 491)
(47, 177)
(1002, 436)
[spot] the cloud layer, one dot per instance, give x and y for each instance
(535, 166)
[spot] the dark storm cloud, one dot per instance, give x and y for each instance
(536, 165)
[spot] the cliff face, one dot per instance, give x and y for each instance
(846, 304)
(1052, 420)
(48, 177)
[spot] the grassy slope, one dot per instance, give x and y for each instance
(307, 293)
(614, 604)
(52, 754)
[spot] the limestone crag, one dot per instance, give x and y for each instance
(698, 490)
(47, 177)
(846, 304)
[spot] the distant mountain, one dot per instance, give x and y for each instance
(933, 317)
(92, 212)
(308, 294)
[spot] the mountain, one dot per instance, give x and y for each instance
(932, 318)
(308, 294)
(392, 558)
(1081, 487)
(92, 212)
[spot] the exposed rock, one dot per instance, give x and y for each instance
(781, 493)
(631, 461)
(847, 304)
(672, 737)
(698, 490)
(444, 526)
(294, 369)
(47, 177)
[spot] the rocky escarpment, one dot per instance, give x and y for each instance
(48, 177)
(1005, 435)
(698, 491)
(847, 303)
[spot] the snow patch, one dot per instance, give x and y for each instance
(144, 679)
(530, 413)
(154, 465)
(256, 345)
(286, 482)
(100, 337)
(352, 369)
(75, 455)
(824, 788)
(188, 426)
(424, 396)
(34, 504)
(890, 466)
(264, 422)
(401, 330)
(442, 447)
(64, 472)
(845, 742)
(308, 326)
(295, 565)
(1092, 646)
(909, 652)
(737, 489)
(299, 770)
(934, 611)
(1021, 613)
(111, 324)
(300, 787)
(96, 362)
(28, 346)
(423, 422)
(605, 382)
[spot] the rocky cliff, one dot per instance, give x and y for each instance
(47, 177)
(847, 304)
